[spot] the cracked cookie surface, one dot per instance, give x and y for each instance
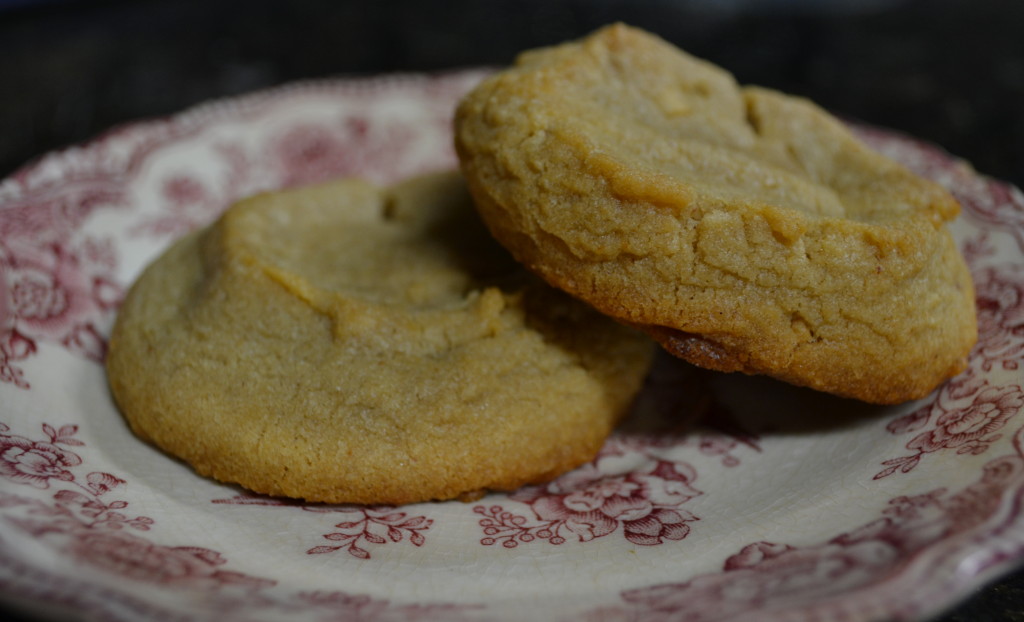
(744, 229)
(351, 344)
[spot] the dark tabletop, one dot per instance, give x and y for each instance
(948, 71)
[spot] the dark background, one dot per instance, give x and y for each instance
(948, 71)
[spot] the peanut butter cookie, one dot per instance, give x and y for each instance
(744, 229)
(344, 343)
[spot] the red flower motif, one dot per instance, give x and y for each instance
(54, 293)
(35, 462)
(968, 429)
(591, 505)
(129, 556)
(357, 146)
(181, 190)
(755, 554)
(38, 296)
(1000, 310)
(52, 288)
(309, 154)
(761, 575)
(660, 525)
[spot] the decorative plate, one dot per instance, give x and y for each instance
(720, 496)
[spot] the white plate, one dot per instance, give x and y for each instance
(785, 502)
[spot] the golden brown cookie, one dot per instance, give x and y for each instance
(344, 343)
(744, 229)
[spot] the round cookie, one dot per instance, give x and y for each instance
(744, 229)
(348, 344)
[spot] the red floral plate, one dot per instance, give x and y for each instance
(720, 496)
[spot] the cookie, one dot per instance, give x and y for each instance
(746, 230)
(350, 344)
